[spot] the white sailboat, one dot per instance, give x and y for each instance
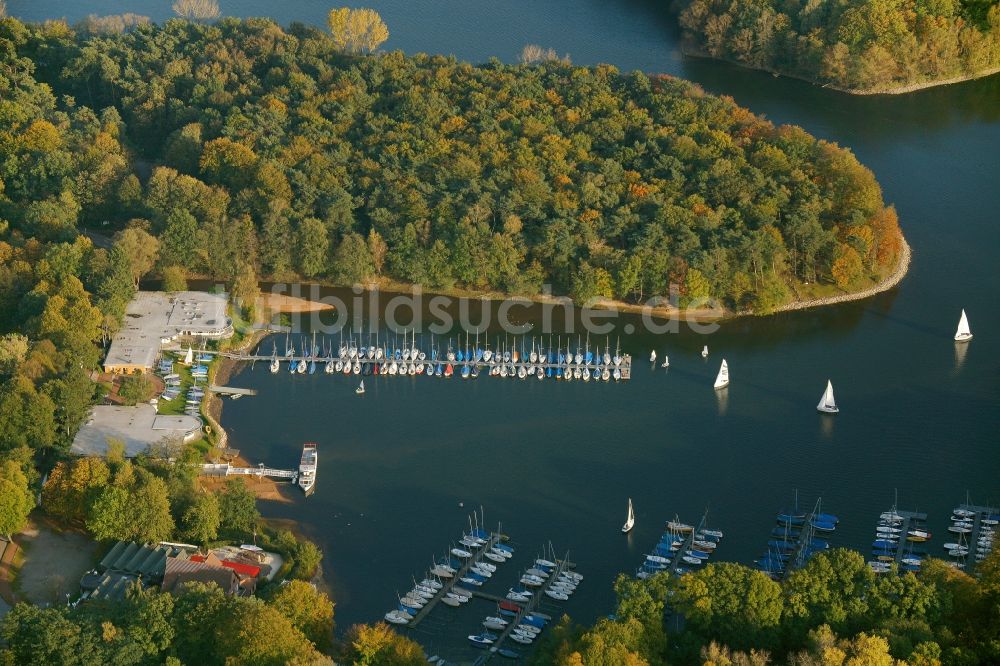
(827, 404)
(666, 362)
(704, 351)
(652, 356)
(361, 388)
(189, 357)
(963, 334)
(630, 520)
(722, 379)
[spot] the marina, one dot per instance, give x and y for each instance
(520, 358)
(682, 548)
(899, 541)
(973, 527)
(796, 539)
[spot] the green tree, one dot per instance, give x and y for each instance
(135, 389)
(16, 498)
(238, 508)
(180, 239)
(379, 645)
(13, 350)
(73, 486)
(314, 247)
(174, 279)
(353, 263)
(201, 519)
(260, 634)
(309, 610)
(141, 249)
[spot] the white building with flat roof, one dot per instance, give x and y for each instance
(156, 318)
(138, 427)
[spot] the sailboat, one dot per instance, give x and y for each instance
(189, 357)
(630, 520)
(722, 379)
(361, 388)
(704, 351)
(827, 404)
(963, 334)
(652, 356)
(666, 362)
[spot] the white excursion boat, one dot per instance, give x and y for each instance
(827, 404)
(307, 467)
(630, 520)
(963, 334)
(722, 379)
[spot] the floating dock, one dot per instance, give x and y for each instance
(448, 583)
(232, 391)
(984, 522)
(536, 598)
(471, 362)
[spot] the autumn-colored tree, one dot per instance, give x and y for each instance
(379, 645)
(847, 267)
(309, 610)
(357, 30)
(16, 498)
(197, 10)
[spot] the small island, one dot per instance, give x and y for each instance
(860, 47)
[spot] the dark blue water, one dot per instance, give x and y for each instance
(556, 461)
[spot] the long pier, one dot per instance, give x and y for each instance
(233, 391)
(450, 583)
(225, 469)
(358, 365)
(911, 520)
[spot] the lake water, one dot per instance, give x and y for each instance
(556, 462)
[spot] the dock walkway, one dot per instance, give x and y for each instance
(561, 566)
(911, 519)
(450, 583)
(977, 530)
(368, 366)
(225, 469)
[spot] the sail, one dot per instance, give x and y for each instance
(827, 403)
(722, 379)
(963, 332)
(631, 513)
(189, 357)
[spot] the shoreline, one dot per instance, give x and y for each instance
(901, 89)
(887, 283)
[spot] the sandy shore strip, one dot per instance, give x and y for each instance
(890, 281)
(282, 303)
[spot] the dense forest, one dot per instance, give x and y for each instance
(855, 45)
(247, 150)
(833, 612)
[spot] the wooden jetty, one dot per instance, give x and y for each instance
(449, 583)
(232, 391)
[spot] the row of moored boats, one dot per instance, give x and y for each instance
(681, 548)
(796, 535)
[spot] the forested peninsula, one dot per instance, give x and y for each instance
(857, 46)
(834, 611)
(240, 150)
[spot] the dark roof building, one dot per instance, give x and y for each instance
(180, 571)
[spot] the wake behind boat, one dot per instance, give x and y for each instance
(307, 467)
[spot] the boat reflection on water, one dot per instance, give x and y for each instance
(722, 396)
(826, 422)
(961, 349)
